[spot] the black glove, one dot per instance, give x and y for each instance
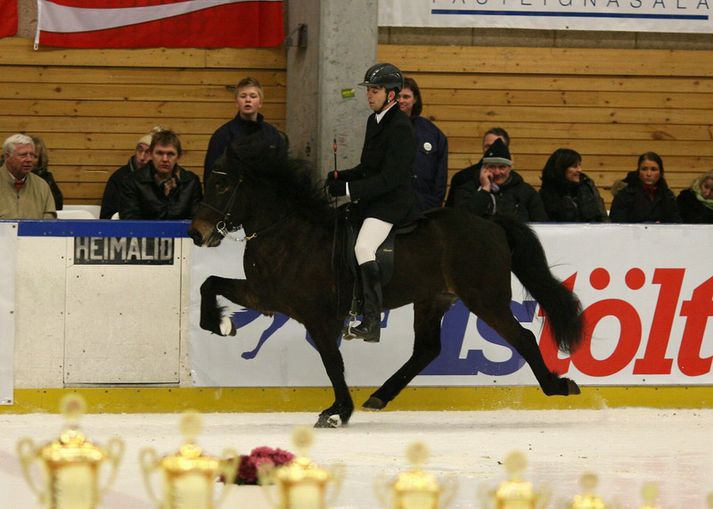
(337, 187)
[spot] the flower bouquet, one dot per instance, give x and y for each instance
(257, 466)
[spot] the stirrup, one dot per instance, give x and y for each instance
(368, 336)
(348, 331)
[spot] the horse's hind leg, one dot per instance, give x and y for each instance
(500, 318)
(325, 333)
(426, 347)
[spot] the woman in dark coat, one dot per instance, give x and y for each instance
(568, 194)
(381, 184)
(696, 202)
(645, 196)
(40, 169)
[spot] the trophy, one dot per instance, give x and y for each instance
(188, 475)
(649, 492)
(515, 492)
(301, 484)
(588, 499)
(71, 464)
(415, 488)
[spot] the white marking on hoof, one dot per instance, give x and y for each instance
(334, 421)
(226, 326)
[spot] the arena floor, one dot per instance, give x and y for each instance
(625, 447)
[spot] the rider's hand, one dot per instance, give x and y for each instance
(337, 187)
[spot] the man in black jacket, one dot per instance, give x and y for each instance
(162, 189)
(380, 185)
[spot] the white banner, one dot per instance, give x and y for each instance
(647, 291)
(8, 250)
(627, 15)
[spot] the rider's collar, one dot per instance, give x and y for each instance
(381, 114)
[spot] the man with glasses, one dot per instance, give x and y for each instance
(23, 195)
(500, 190)
(113, 189)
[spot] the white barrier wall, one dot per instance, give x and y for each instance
(647, 291)
(89, 311)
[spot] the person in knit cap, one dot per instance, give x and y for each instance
(112, 191)
(499, 189)
(643, 196)
(696, 202)
(568, 194)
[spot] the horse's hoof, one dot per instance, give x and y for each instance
(226, 327)
(328, 421)
(373, 403)
(572, 387)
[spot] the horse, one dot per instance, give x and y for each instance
(292, 267)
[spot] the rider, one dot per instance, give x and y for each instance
(381, 185)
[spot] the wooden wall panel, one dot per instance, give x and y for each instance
(610, 105)
(91, 106)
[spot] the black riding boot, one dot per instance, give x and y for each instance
(370, 327)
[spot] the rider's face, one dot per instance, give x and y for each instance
(376, 97)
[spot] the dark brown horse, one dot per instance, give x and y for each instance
(290, 269)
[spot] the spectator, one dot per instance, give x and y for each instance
(431, 165)
(644, 196)
(40, 169)
(248, 99)
(569, 195)
(500, 189)
(113, 189)
(696, 202)
(162, 189)
(471, 173)
(23, 195)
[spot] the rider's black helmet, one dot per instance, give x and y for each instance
(384, 75)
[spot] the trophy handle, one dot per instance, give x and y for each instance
(149, 462)
(448, 491)
(381, 490)
(28, 454)
(114, 453)
(337, 472)
(229, 469)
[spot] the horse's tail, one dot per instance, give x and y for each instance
(529, 264)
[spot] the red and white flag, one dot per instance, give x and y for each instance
(159, 23)
(8, 20)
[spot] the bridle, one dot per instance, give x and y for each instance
(225, 226)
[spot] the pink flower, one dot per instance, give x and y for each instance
(260, 458)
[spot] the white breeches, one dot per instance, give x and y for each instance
(372, 233)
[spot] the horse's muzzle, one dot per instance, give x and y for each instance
(196, 236)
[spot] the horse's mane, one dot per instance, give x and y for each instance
(294, 181)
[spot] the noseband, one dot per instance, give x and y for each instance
(225, 226)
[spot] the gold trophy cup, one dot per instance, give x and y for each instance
(415, 488)
(649, 492)
(515, 492)
(301, 484)
(588, 499)
(71, 464)
(189, 476)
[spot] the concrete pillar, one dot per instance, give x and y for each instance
(323, 100)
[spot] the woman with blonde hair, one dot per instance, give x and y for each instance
(695, 204)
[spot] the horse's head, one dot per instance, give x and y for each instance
(224, 208)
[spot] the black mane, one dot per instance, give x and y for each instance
(295, 182)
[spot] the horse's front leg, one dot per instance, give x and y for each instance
(325, 333)
(235, 290)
